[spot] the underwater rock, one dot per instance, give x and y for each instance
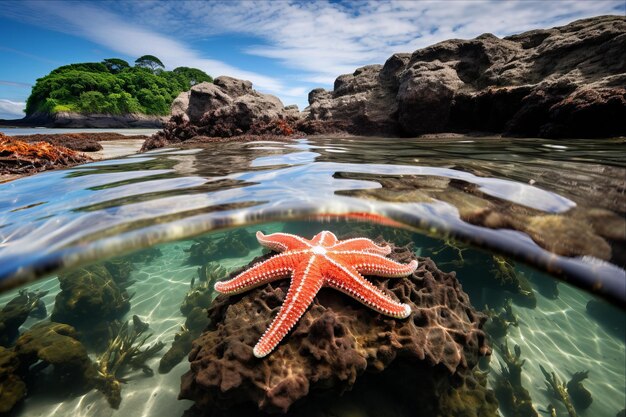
(181, 346)
(55, 344)
(581, 397)
(89, 296)
(202, 251)
(16, 311)
(120, 270)
(338, 343)
(12, 388)
(233, 244)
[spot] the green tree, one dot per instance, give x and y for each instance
(111, 86)
(192, 75)
(115, 65)
(149, 61)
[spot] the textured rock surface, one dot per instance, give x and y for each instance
(339, 345)
(227, 107)
(88, 296)
(560, 82)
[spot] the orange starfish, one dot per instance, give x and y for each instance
(312, 264)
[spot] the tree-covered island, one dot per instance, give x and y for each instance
(113, 87)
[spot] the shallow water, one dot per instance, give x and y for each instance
(545, 205)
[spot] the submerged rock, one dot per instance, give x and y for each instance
(12, 387)
(562, 82)
(340, 345)
(16, 311)
(90, 298)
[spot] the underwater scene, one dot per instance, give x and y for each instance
(316, 279)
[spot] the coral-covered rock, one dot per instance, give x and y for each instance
(338, 343)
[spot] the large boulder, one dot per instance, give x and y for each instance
(561, 82)
(228, 107)
(426, 361)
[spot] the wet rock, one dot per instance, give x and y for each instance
(233, 244)
(228, 107)
(89, 296)
(120, 270)
(12, 387)
(561, 82)
(339, 345)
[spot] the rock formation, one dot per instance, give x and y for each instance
(561, 82)
(88, 120)
(339, 346)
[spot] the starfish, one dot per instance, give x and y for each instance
(313, 264)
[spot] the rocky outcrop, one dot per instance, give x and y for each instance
(561, 82)
(231, 108)
(228, 107)
(339, 345)
(90, 120)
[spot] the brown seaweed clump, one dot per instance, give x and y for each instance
(425, 362)
(18, 157)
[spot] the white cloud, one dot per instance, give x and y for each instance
(11, 109)
(115, 33)
(313, 41)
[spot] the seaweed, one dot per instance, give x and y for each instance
(498, 324)
(515, 282)
(581, 397)
(193, 307)
(559, 390)
(511, 395)
(124, 351)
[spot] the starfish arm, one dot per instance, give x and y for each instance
(324, 238)
(280, 242)
(305, 284)
(362, 244)
(374, 264)
(277, 267)
(356, 286)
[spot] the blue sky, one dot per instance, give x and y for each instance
(285, 48)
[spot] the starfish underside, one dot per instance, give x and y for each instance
(313, 264)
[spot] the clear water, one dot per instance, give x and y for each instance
(559, 212)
